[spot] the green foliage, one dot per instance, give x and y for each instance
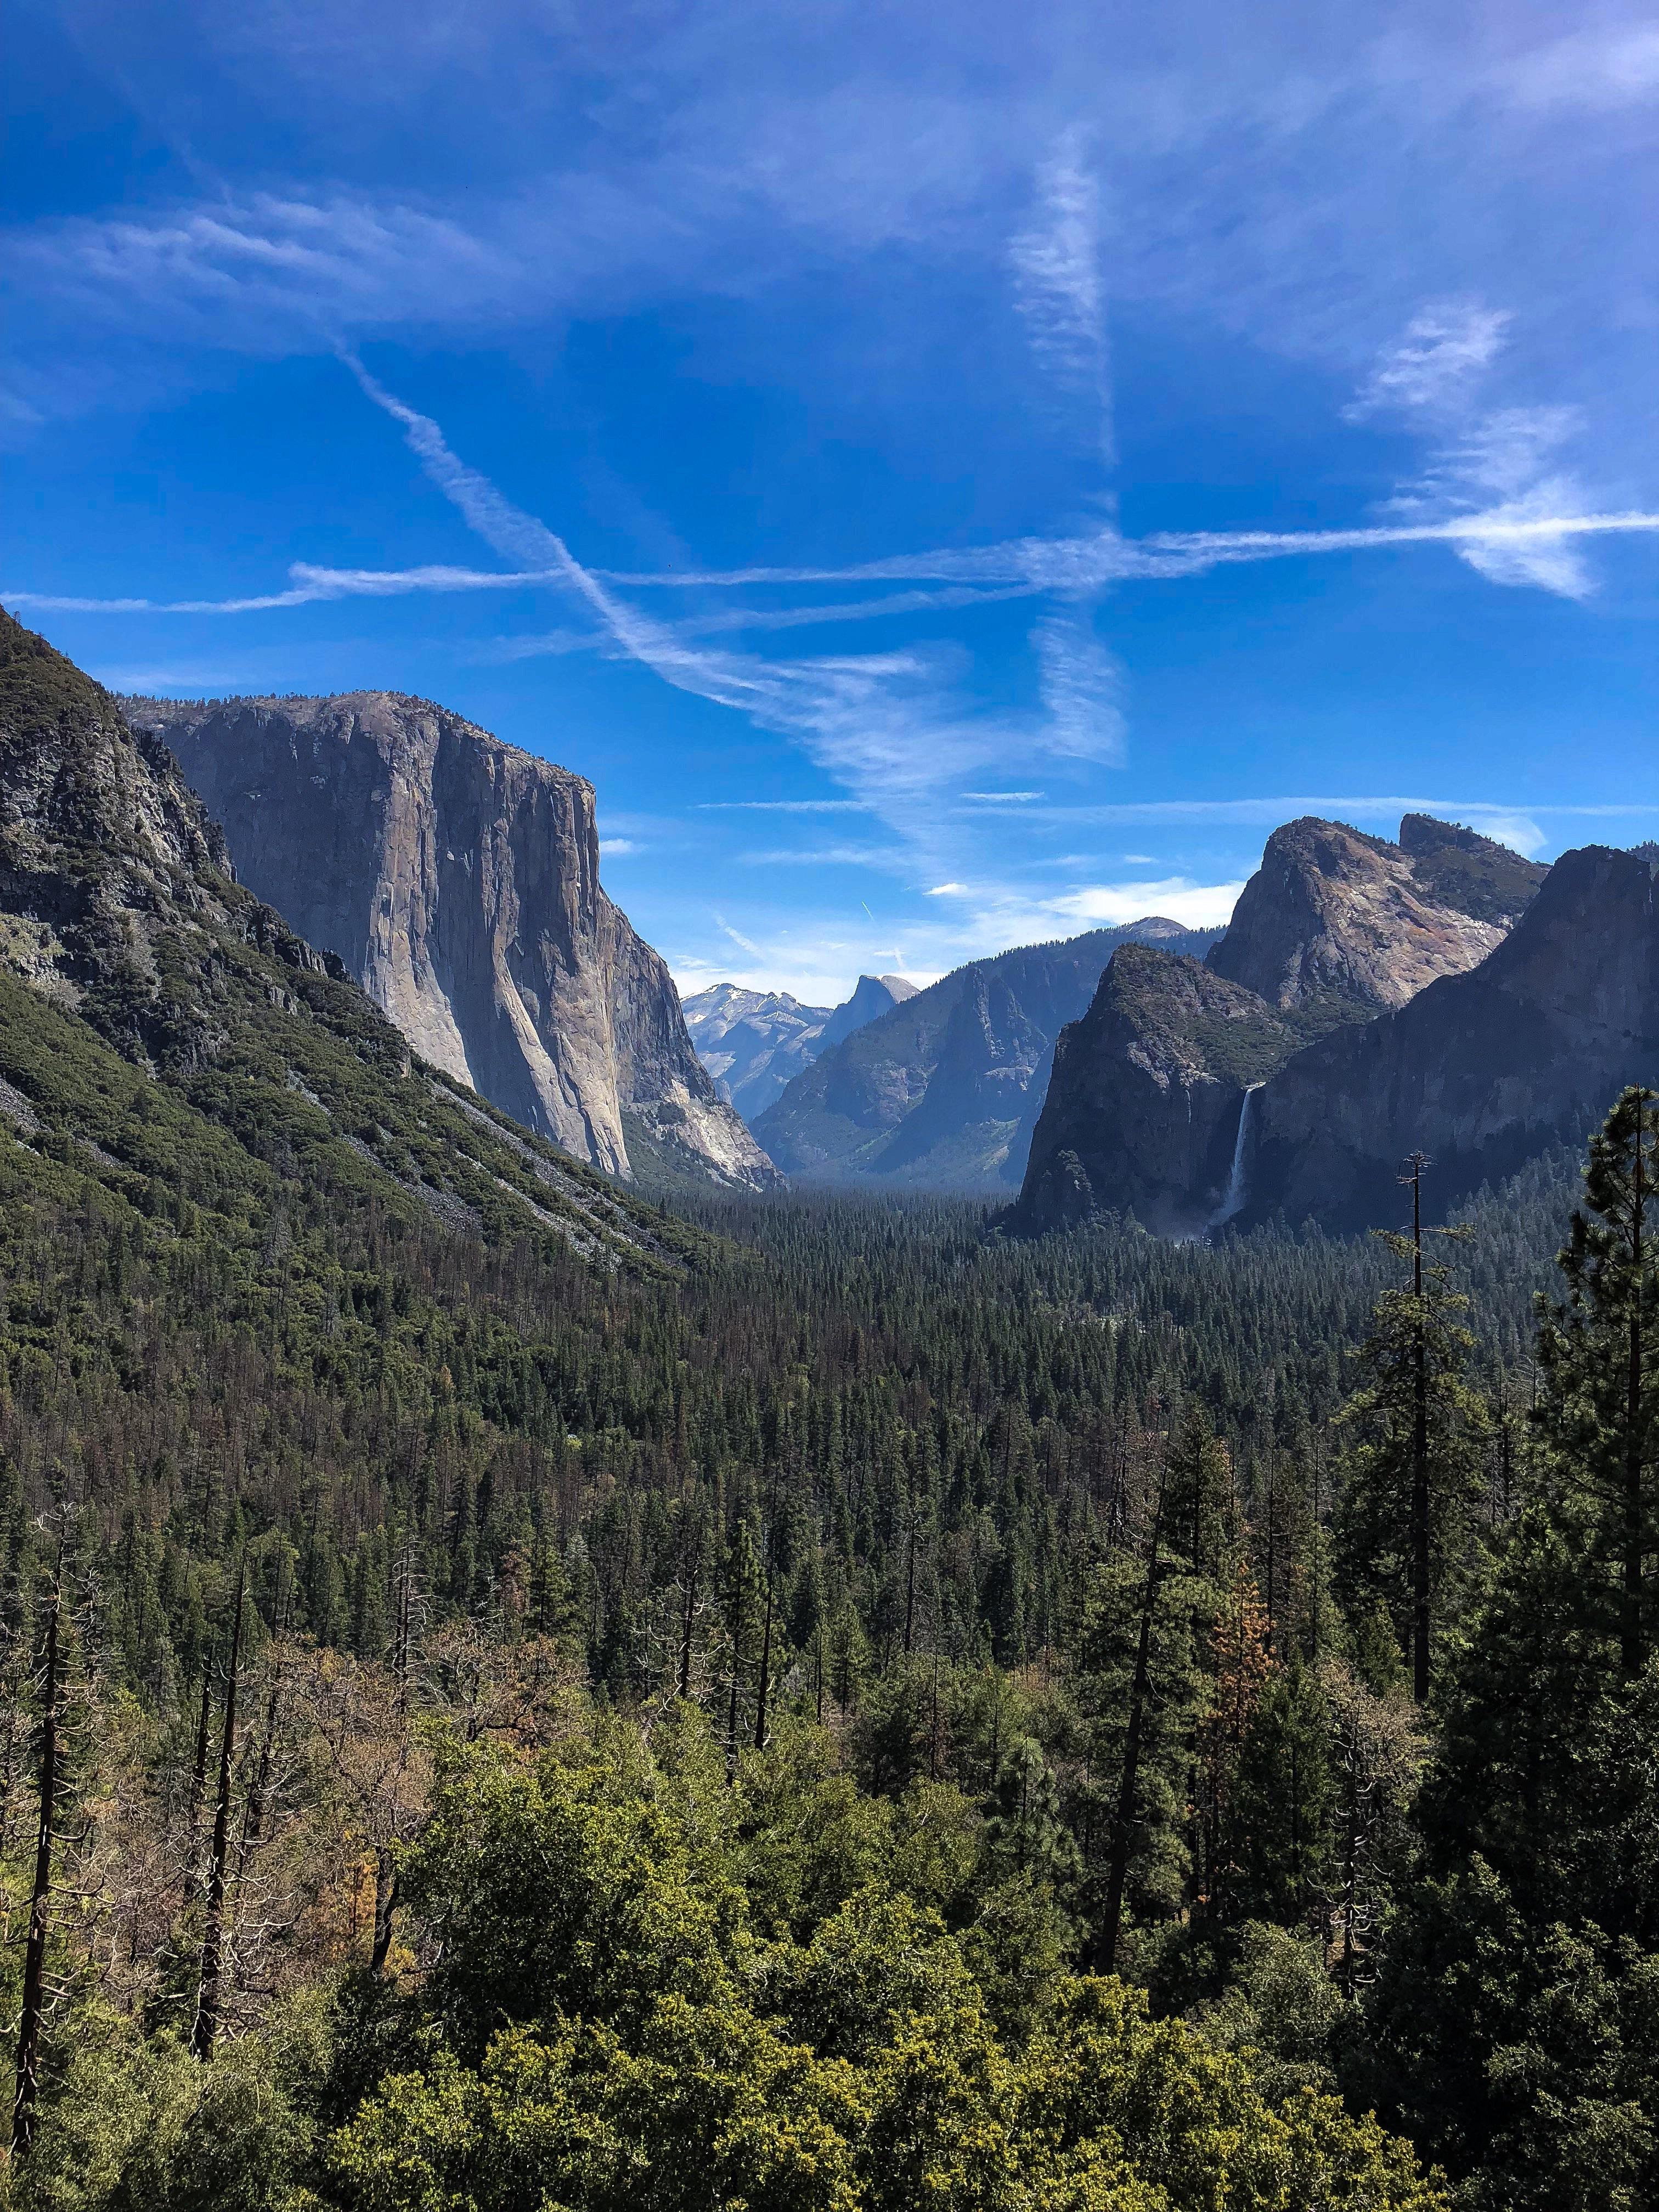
(136, 2126)
(1417, 1341)
(1599, 1349)
(636, 2039)
(692, 1664)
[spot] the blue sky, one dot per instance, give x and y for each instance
(949, 477)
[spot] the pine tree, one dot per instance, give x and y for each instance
(1599, 1352)
(1415, 1460)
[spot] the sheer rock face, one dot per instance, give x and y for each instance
(1148, 1105)
(458, 879)
(1144, 1105)
(1335, 920)
(943, 1091)
(1480, 1071)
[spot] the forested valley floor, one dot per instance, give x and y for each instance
(857, 1713)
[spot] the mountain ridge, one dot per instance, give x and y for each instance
(943, 1091)
(753, 1042)
(153, 1009)
(1336, 930)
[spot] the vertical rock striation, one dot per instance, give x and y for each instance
(458, 879)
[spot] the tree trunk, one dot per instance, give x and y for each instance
(206, 2028)
(688, 1622)
(386, 1899)
(35, 1955)
(1632, 1643)
(199, 1778)
(765, 1670)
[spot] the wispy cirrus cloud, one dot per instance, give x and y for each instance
(1610, 66)
(1493, 468)
(1028, 566)
(781, 806)
(1081, 684)
(885, 725)
(1444, 351)
(1059, 288)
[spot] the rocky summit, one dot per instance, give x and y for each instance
(754, 1042)
(1335, 924)
(1480, 1071)
(458, 880)
(164, 1032)
(1153, 1107)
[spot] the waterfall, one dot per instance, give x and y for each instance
(1232, 1197)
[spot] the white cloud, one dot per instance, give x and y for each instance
(1519, 831)
(1071, 565)
(947, 890)
(1081, 684)
(1445, 350)
(889, 857)
(781, 806)
(747, 944)
(616, 847)
(1057, 287)
(1196, 906)
(1494, 471)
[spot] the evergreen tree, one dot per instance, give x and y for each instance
(1599, 1352)
(1413, 1463)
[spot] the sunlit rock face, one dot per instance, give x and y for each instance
(458, 879)
(1167, 1097)
(1335, 920)
(1480, 1071)
(754, 1043)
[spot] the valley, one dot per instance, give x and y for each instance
(508, 1614)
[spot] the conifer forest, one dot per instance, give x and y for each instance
(846, 1709)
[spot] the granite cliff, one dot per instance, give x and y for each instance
(458, 879)
(1153, 1101)
(1143, 1103)
(1334, 925)
(162, 1029)
(754, 1043)
(942, 1092)
(1481, 1070)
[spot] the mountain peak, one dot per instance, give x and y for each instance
(872, 996)
(1338, 924)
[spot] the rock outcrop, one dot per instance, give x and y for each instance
(163, 979)
(1335, 926)
(1174, 1048)
(943, 1091)
(458, 879)
(1480, 1071)
(754, 1043)
(1153, 1107)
